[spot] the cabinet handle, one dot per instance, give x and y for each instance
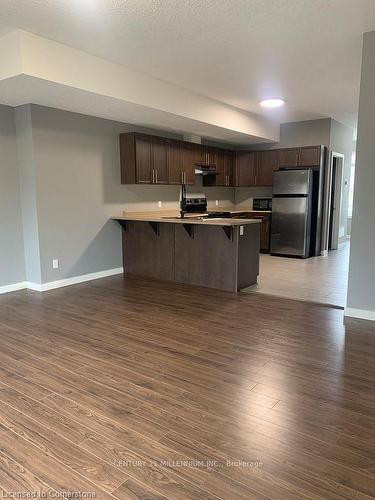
(156, 176)
(153, 176)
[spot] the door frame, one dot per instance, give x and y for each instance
(339, 182)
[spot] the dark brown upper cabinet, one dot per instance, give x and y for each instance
(267, 163)
(188, 165)
(204, 155)
(288, 157)
(180, 161)
(143, 159)
(307, 156)
(147, 159)
(245, 165)
(310, 156)
(199, 154)
(224, 167)
(174, 162)
(159, 161)
(212, 155)
(143, 173)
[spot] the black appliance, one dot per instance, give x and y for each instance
(262, 204)
(192, 203)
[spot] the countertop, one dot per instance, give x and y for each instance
(172, 217)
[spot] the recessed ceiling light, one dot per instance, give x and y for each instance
(272, 103)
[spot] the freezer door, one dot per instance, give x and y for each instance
(292, 182)
(290, 231)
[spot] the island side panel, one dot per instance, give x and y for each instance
(146, 253)
(207, 258)
(248, 255)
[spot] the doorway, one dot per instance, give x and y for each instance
(335, 201)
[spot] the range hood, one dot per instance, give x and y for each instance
(206, 170)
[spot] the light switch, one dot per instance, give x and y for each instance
(242, 230)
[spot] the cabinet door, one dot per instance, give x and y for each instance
(159, 161)
(245, 168)
(199, 154)
(221, 169)
(212, 156)
(289, 157)
(143, 160)
(230, 167)
(127, 159)
(310, 156)
(224, 168)
(174, 162)
(267, 163)
(188, 165)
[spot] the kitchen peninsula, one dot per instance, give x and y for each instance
(221, 253)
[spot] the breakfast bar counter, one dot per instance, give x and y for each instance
(221, 253)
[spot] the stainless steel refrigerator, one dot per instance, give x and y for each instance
(292, 203)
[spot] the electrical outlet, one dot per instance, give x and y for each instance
(160, 204)
(216, 202)
(55, 263)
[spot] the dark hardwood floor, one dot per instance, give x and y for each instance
(136, 389)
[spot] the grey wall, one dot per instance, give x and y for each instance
(77, 172)
(12, 269)
(27, 175)
(361, 293)
(306, 133)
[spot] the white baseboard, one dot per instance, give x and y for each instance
(13, 288)
(359, 313)
(38, 287)
(73, 281)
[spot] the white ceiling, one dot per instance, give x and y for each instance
(235, 51)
